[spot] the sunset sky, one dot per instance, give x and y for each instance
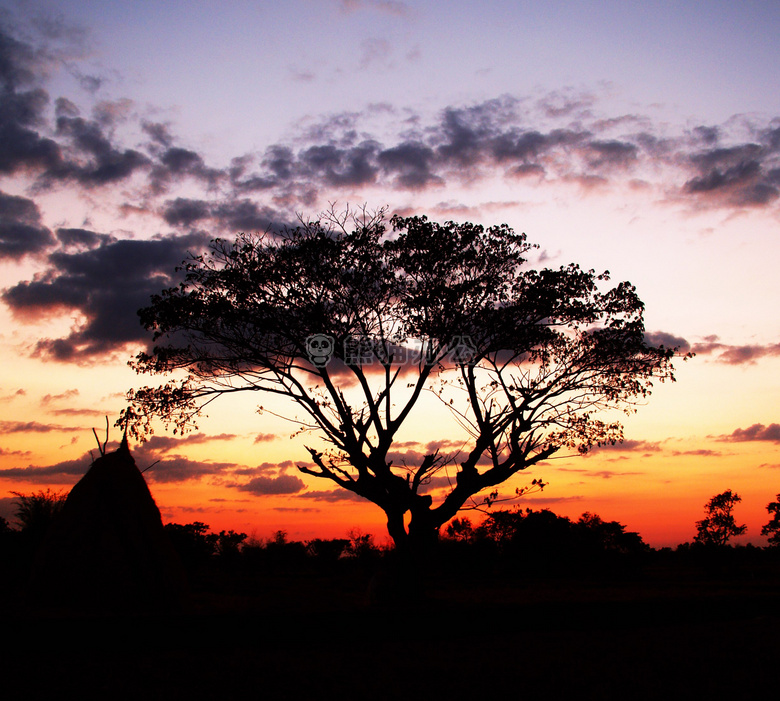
(641, 138)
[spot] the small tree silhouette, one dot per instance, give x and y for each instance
(719, 526)
(772, 529)
(37, 510)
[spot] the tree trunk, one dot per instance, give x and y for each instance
(400, 578)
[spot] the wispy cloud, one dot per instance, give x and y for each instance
(747, 354)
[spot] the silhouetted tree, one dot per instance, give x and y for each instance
(719, 526)
(523, 358)
(193, 542)
(611, 536)
(772, 529)
(36, 511)
(460, 529)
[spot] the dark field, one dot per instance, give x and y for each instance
(665, 631)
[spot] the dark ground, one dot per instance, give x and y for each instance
(659, 634)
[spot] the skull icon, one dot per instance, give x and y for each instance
(319, 348)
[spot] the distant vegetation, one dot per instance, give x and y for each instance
(515, 543)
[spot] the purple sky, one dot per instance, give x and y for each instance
(639, 137)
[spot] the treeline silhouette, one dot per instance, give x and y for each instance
(516, 544)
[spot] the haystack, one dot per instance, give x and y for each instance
(108, 551)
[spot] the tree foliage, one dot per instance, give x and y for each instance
(719, 526)
(545, 351)
(36, 511)
(772, 529)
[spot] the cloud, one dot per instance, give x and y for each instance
(262, 486)
(742, 174)
(176, 163)
(154, 458)
(756, 432)
(22, 108)
(101, 279)
(21, 231)
(601, 474)
(177, 468)
(701, 452)
(627, 446)
(165, 444)
(667, 340)
(98, 161)
(332, 495)
(107, 285)
(612, 154)
(735, 355)
(62, 396)
(14, 395)
(67, 472)
(31, 427)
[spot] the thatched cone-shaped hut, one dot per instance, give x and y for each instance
(107, 551)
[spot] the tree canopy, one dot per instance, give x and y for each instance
(719, 526)
(772, 529)
(353, 316)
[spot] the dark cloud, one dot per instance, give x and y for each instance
(756, 432)
(177, 468)
(22, 106)
(104, 163)
(667, 340)
(159, 133)
(342, 166)
(605, 154)
(739, 175)
(67, 472)
(21, 231)
(185, 212)
(708, 135)
(176, 163)
(82, 238)
(108, 285)
(280, 161)
(412, 162)
(156, 467)
(243, 215)
(261, 486)
(106, 280)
